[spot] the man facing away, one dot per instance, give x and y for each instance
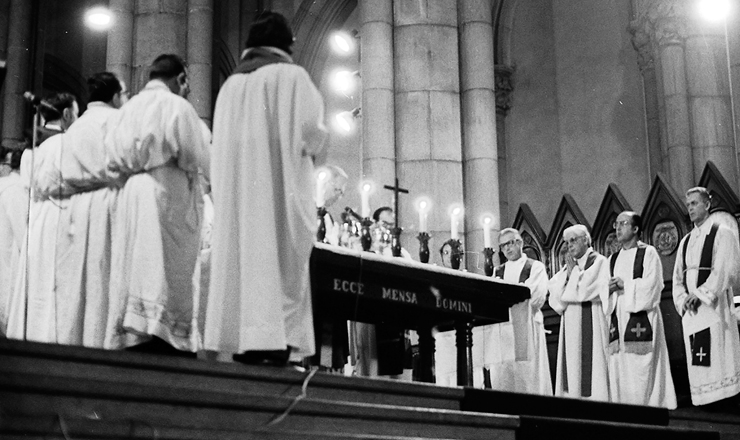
(515, 352)
(268, 127)
(639, 369)
(31, 308)
(705, 276)
(578, 292)
(72, 180)
(156, 142)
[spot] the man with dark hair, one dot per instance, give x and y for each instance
(268, 127)
(69, 236)
(639, 369)
(705, 276)
(157, 144)
(61, 112)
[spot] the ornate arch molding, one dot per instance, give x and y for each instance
(311, 26)
(503, 23)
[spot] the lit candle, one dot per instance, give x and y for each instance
(454, 223)
(320, 178)
(423, 216)
(487, 231)
(365, 199)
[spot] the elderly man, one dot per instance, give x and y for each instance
(268, 127)
(515, 352)
(639, 371)
(578, 292)
(156, 141)
(705, 278)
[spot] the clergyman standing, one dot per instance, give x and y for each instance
(705, 278)
(639, 368)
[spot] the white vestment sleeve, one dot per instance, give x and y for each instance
(725, 267)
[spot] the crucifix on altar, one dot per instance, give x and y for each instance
(396, 231)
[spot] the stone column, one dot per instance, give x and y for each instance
(428, 128)
(478, 124)
(504, 90)
(733, 42)
(670, 32)
(160, 26)
(121, 40)
(643, 44)
(200, 36)
(710, 101)
(4, 25)
(16, 76)
(378, 113)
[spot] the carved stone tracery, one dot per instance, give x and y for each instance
(503, 76)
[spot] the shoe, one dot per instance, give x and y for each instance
(276, 358)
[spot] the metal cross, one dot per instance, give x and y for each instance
(396, 189)
(700, 354)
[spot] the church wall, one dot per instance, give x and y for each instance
(532, 139)
(600, 103)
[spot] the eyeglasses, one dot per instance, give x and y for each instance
(617, 224)
(573, 240)
(503, 246)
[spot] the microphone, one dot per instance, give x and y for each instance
(36, 101)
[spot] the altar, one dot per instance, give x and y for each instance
(366, 287)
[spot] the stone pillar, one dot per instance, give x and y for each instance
(200, 36)
(670, 32)
(643, 44)
(478, 124)
(121, 40)
(16, 76)
(160, 26)
(427, 105)
(710, 101)
(504, 90)
(733, 43)
(4, 25)
(378, 115)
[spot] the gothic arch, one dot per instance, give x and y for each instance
(312, 24)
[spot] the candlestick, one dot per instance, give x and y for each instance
(396, 241)
(423, 208)
(321, 230)
(365, 199)
(455, 214)
(423, 238)
(366, 239)
(488, 260)
(456, 251)
(453, 228)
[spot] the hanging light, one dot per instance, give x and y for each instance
(342, 43)
(99, 18)
(345, 121)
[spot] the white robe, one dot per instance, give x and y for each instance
(567, 298)
(529, 372)
(640, 377)
(267, 127)
(69, 237)
(156, 140)
(13, 213)
(721, 379)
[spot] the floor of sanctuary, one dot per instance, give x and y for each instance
(62, 392)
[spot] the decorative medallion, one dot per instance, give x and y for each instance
(665, 237)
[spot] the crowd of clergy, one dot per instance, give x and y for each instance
(134, 227)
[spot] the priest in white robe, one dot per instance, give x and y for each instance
(515, 352)
(705, 278)
(268, 128)
(32, 311)
(156, 141)
(579, 293)
(13, 215)
(639, 369)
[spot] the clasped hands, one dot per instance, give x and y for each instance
(615, 284)
(691, 304)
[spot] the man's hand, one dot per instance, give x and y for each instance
(615, 284)
(571, 263)
(691, 304)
